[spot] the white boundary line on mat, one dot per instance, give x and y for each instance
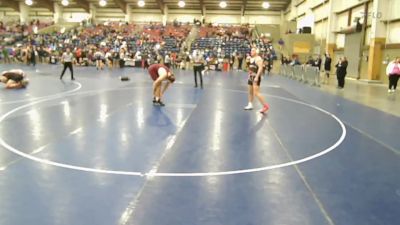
(45, 97)
(4, 144)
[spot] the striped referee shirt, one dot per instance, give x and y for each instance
(67, 57)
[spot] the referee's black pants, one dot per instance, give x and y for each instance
(68, 65)
(198, 69)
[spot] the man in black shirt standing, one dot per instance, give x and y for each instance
(341, 71)
(327, 67)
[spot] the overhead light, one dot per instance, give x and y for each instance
(266, 5)
(29, 2)
(102, 3)
(223, 4)
(141, 3)
(181, 4)
(65, 2)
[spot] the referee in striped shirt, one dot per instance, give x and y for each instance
(66, 59)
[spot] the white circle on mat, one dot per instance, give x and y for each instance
(178, 174)
(79, 86)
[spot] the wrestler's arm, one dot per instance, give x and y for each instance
(259, 63)
(165, 87)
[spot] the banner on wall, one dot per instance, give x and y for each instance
(301, 47)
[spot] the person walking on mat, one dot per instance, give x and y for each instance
(254, 81)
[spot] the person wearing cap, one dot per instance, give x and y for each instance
(14, 79)
(160, 74)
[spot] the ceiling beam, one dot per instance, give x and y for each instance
(202, 7)
(84, 4)
(121, 4)
(244, 7)
(46, 4)
(161, 5)
(11, 4)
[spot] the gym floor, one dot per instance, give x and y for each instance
(97, 152)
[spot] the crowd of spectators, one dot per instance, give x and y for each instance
(12, 32)
(116, 44)
(226, 47)
(119, 44)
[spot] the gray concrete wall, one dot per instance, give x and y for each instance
(352, 51)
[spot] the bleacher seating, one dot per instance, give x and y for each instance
(219, 46)
(223, 41)
(105, 37)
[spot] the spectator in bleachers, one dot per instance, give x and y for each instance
(285, 60)
(295, 61)
(115, 59)
(31, 55)
(122, 58)
(53, 57)
(268, 63)
(240, 60)
(99, 57)
(327, 66)
(109, 59)
(173, 59)
(248, 57)
(231, 61)
(310, 61)
(318, 62)
(187, 61)
(341, 71)
(393, 71)
(6, 56)
(167, 60)
(145, 60)
(78, 55)
(41, 55)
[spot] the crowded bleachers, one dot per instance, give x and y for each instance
(122, 41)
(226, 46)
(223, 41)
(12, 32)
(120, 44)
